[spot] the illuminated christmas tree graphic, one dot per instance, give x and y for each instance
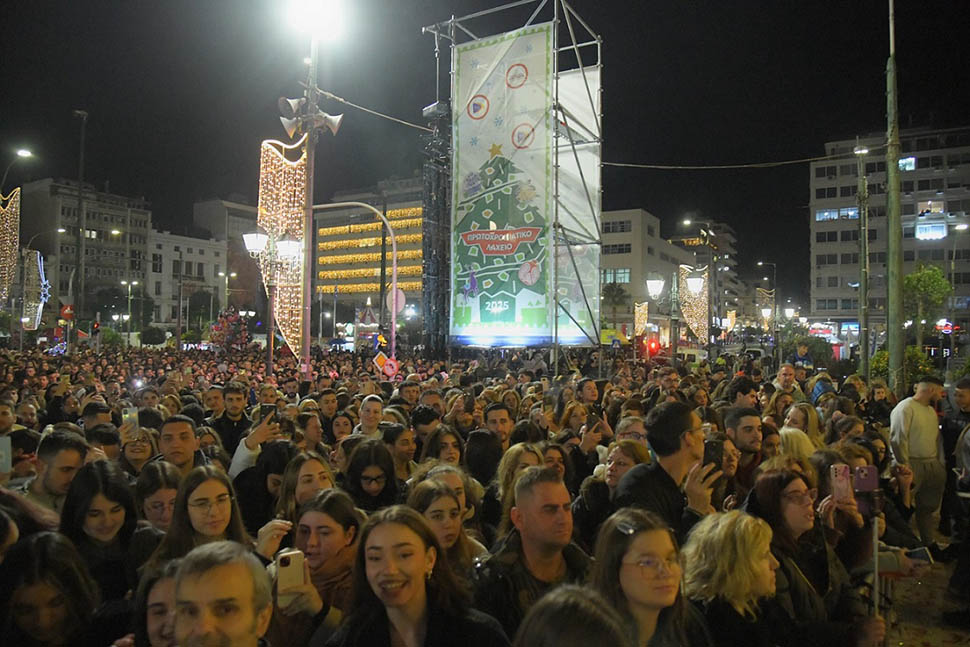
(500, 245)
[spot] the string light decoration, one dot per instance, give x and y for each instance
(407, 270)
(405, 212)
(326, 245)
(343, 230)
(357, 288)
(280, 213)
(9, 240)
(37, 290)
(640, 317)
(344, 259)
(694, 303)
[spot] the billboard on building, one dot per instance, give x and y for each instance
(503, 204)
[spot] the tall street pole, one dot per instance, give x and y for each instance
(862, 194)
(271, 329)
(894, 224)
(81, 227)
(178, 320)
(383, 291)
(312, 97)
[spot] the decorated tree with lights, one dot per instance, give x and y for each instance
(498, 197)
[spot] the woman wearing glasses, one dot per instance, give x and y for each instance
(638, 570)
(813, 586)
(205, 511)
(593, 505)
(155, 492)
(370, 477)
(137, 447)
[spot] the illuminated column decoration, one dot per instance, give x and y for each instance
(693, 295)
(37, 290)
(732, 317)
(640, 314)
(9, 240)
(281, 210)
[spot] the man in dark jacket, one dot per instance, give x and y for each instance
(233, 424)
(677, 437)
(536, 556)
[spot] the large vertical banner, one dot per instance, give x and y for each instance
(502, 213)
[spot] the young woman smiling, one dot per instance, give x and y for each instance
(404, 594)
(99, 517)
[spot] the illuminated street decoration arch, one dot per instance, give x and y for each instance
(37, 289)
(9, 240)
(693, 302)
(281, 214)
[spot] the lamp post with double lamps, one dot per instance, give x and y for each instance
(655, 290)
(774, 308)
(129, 285)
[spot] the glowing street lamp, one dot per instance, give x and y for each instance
(129, 285)
(230, 275)
(22, 153)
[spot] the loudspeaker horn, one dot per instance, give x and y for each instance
(290, 126)
(290, 108)
(330, 122)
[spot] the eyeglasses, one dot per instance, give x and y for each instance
(141, 440)
(373, 480)
(632, 435)
(205, 505)
(804, 498)
(653, 565)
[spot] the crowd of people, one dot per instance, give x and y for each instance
(159, 498)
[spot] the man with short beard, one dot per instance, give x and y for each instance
(233, 424)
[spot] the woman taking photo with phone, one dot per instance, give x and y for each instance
(638, 570)
(326, 533)
(405, 594)
(813, 586)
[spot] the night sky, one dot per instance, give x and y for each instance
(181, 92)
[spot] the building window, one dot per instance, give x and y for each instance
(849, 234)
(830, 192)
(849, 213)
(826, 214)
(848, 191)
(651, 231)
(200, 270)
(158, 288)
(157, 263)
(909, 255)
(617, 226)
(833, 281)
(619, 248)
(819, 281)
(850, 259)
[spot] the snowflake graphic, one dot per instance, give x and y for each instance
(473, 141)
(499, 121)
(528, 49)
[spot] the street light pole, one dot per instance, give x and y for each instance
(21, 154)
(953, 324)
(894, 223)
(312, 94)
(863, 197)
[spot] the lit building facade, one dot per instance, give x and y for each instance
(196, 262)
(935, 194)
(115, 230)
(348, 245)
(633, 250)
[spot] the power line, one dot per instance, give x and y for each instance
(714, 167)
(373, 112)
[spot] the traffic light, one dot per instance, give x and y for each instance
(653, 347)
(96, 328)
